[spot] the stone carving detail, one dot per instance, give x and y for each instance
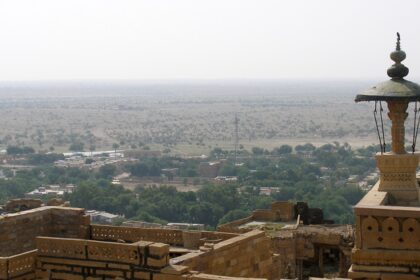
(17, 265)
(411, 231)
(88, 249)
(390, 233)
(398, 177)
(125, 253)
(111, 233)
(21, 264)
(370, 229)
(404, 177)
(71, 248)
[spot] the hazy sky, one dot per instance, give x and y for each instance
(195, 39)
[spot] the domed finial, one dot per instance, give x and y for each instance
(398, 70)
(398, 48)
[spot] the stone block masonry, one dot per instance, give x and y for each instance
(247, 255)
(18, 230)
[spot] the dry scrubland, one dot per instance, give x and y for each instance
(190, 117)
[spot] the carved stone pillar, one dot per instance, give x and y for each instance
(397, 114)
(398, 169)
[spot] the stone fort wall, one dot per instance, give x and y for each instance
(59, 243)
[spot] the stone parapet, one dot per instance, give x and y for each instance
(21, 266)
(387, 227)
(60, 258)
(148, 254)
(173, 237)
(18, 230)
(130, 234)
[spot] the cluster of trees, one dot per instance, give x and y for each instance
(28, 180)
(39, 159)
(211, 205)
(299, 178)
(16, 150)
(146, 168)
(152, 167)
(305, 173)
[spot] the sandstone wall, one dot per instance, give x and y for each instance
(285, 210)
(247, 255)
(18, 230)
(285, 247)
(86, 259)
(236, 257)
(264, 215)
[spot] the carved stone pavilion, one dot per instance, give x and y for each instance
(387, 244)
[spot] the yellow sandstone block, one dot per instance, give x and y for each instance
(157, 262)
(159, 249)
(160, 276)
(142, 275)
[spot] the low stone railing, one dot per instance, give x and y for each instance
(88, 250)
(17, 265)
(173, 237)
(130, 234)
(62, 258)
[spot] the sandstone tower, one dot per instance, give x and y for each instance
(387, 218)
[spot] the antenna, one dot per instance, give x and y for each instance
(236, 137)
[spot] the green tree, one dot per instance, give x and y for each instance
(107, 171)
(91, 149)
(257, 151)
(115, 146)
(283, 150)
(15, 150)
(76, 146)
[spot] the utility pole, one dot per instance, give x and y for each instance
(236, 137)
